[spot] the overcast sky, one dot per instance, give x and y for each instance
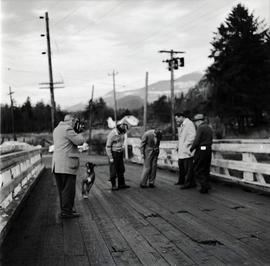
(91, 38)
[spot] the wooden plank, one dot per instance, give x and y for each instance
(6, 189)
(166, 249)
(8, 160)
(173, 202)
(169, 226)
(96, 249)
(209, 259)
(76, 260)
(262, 168)
(242, 147)
(73, 241)
(224, 236)
(118, 246)
(144, 251)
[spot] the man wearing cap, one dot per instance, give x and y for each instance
(186, 135)
(65, 163)
(115, 153)
(150, 151)
(202, 146)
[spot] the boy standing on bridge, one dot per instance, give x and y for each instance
(115, 152)
(65, 163)
(203, 152)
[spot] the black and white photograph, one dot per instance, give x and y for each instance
(135, 132)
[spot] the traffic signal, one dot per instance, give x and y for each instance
(181, 61)
(175, 63)
(170, 63)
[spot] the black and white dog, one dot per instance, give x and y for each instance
(88, 180)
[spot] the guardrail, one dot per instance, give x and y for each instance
(246, 162)
(18, 173)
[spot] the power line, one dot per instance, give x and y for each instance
(186, 25)
(114, 95)
(101, 17)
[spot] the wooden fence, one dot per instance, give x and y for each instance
(18, 173)
(245, 162)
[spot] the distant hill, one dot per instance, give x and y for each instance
(155, 90)
(133, 99)
(130, 102)
(76, 107)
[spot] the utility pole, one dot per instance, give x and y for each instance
(145, 103)
(12, 113)
(90, 118)
(173, 64)
(114, 95)
(50, 68)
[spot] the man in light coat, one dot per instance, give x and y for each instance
(186, 136)
(65, 163)
(150, 151)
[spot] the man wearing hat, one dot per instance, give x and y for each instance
(115, 153)
(202, 146)
(150, 151)
(65, 163)
(186, 135)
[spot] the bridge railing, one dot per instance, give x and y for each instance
(18, 173)
(245, 162)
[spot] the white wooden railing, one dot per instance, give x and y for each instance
(245, 162)
(18, 172)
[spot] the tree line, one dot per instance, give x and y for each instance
(235, 88)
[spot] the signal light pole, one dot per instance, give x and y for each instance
(114, 96)
(173, 64)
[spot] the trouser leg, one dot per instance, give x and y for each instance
(119, 168)
(146, 169)
(181, 173)
(153, 172)
(66, 187)
(112, 173)
(202, 164)
(189, 176)
(68, 193)
(59, 178)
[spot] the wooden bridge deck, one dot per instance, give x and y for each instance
(161, 226)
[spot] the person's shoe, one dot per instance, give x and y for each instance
(75, 214)
(204, 191)
(123, 186)
(187, 186)
(69, 215)
(114, 188)
(85, 196)
(143, 186)
(152, 186)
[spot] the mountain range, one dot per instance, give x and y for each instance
(133, 99)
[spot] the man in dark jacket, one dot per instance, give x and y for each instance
(203, 152)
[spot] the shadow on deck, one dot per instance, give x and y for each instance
(161, 226)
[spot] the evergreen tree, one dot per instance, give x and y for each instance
(238, 75)
(161, 109)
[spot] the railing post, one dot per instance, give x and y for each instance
(248, 176)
